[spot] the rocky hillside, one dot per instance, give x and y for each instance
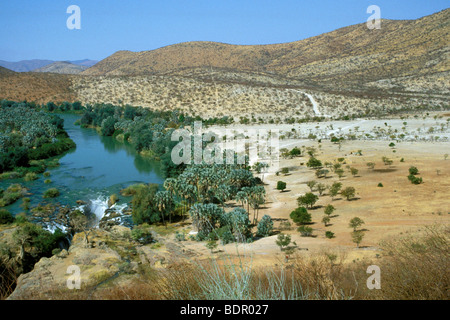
(62, 67)
(4, 70)
(351, 55)
(38, 87)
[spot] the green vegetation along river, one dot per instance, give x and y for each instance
(98, 167)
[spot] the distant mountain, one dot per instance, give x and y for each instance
(353, 55)
(25, 65)
(31, 65)
(62, 67)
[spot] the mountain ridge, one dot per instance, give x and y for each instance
(340, 55)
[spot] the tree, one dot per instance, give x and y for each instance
(370, 165)
(348, 192)
(107, 128)
(308, 199)
(357, 237)
(285, 170)
(321, 188)
(353, 171)
(335, 188)
(313, 163)
(281, 185)
(6, 217)
(322, 173)
(329, 209)
(283, 240)
(339, 172)
(265, 226)
(355, 223)
(387, 161)
(211, 244)
(311, 184)
(145, 208)
(300, 216)
(326, 220)
(295, 152)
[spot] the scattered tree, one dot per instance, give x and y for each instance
(355, 223)
(281, 186)
(348, 192)
(308, 199)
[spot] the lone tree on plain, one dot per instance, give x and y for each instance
(353, 171)
(308, 199)
(355, 223)
(348, 192)
(281, 186)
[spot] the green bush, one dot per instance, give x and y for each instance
(413, 170)
(6, 217)
(329, 234)
(30, 176)
(281, 185)
(51, 193)
(300, 216)
(380, 185)
(305, 231)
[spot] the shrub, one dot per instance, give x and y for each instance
(305, 231)
(281, 185)
(51, 193)
(30, 176)
(180, 236)
(329, 234)
(47, 181)
(265, 226)
(283, 240)
(6, 217)
(141, 235)
(414, 179)
(380, 185)
(413, 170)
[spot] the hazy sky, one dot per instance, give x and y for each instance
(36, 29)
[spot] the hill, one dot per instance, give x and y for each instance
(351, 55)
(5, 70)
(62, 67)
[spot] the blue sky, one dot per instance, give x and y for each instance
(36, 29)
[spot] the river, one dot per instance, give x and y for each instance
(98, 167)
